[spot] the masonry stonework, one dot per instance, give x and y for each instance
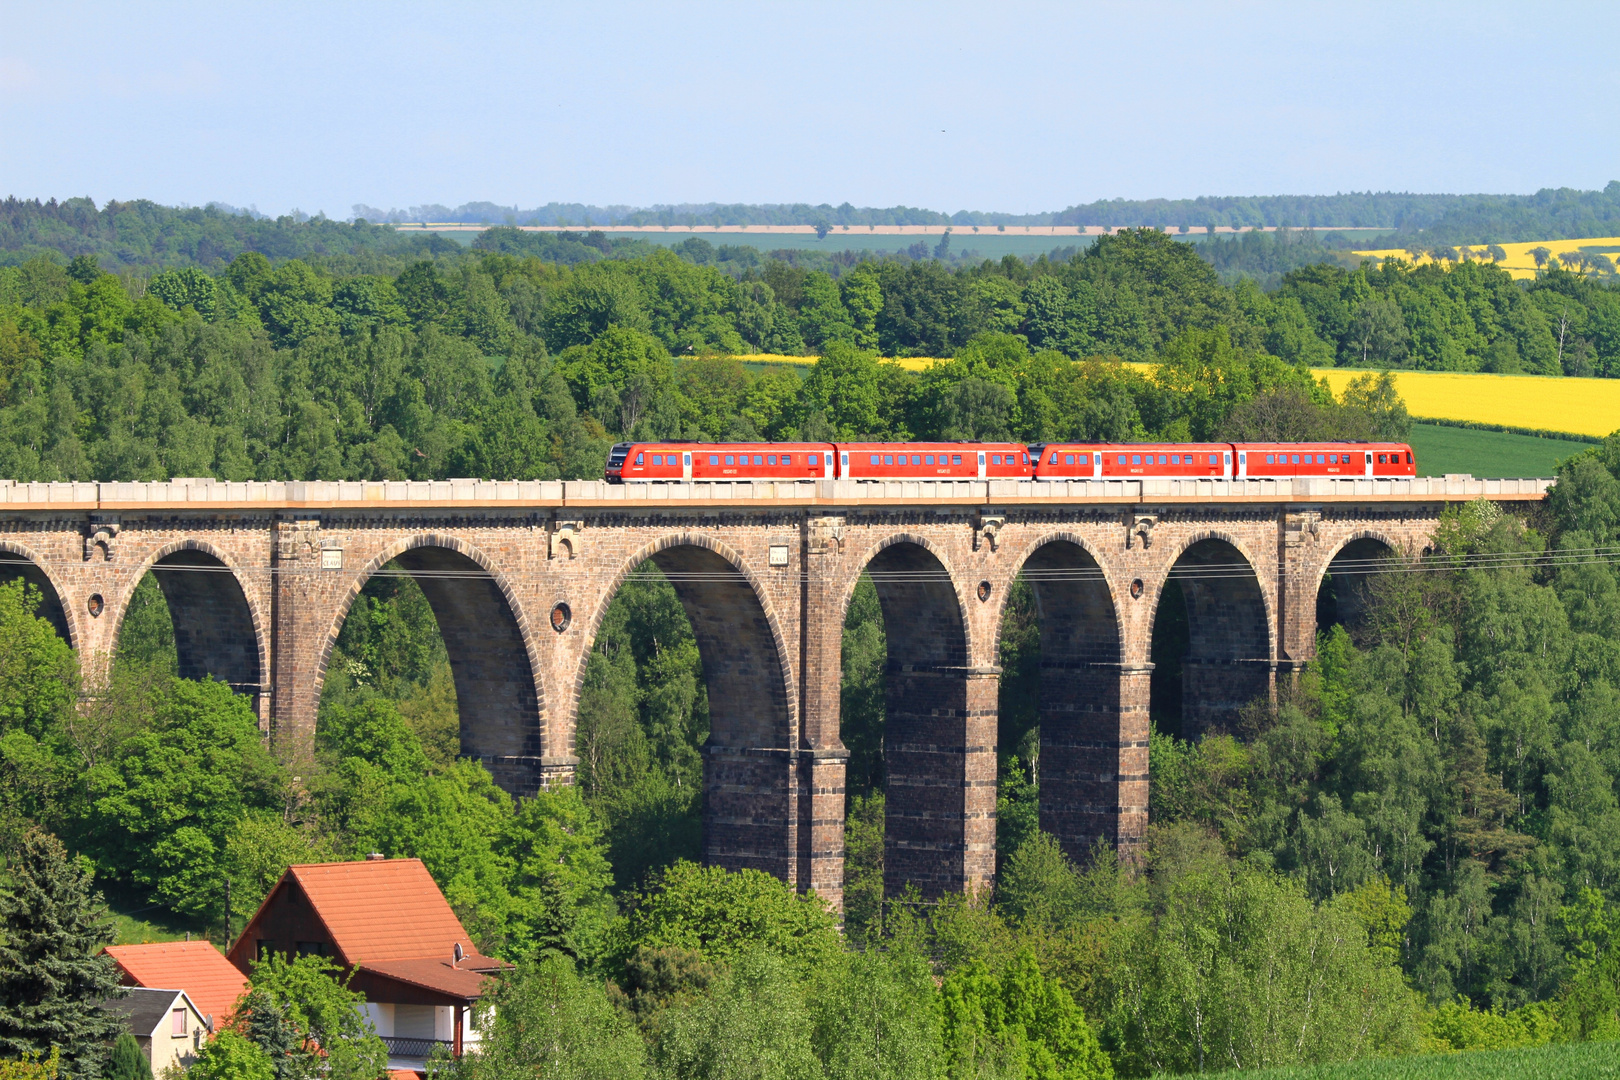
(259, 578)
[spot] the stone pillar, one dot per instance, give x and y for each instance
(296, 643)
(1296, 589)
(823, 761)
(939, 748)
(1094, 750)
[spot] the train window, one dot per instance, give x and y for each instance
(770, 459)
(956, 459)
(874, 459)
(1054, 458)
(787, 459)
(1122, 459)
(657, 459)
(928, 459)
(1333, 459)
(1212, 460)
(1136, 459)
(888, 459)
(730, 460)
(1381, 458)
(714, 459)
(638, 459)
(1068, 459)
(1409, 457)
(995, 459)
(1023, 459)
(1268, 459)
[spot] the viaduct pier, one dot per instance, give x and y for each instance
(259, 578)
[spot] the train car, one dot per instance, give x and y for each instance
(1394, 460)
(672, 462)
(934, 461)
(1131, 461)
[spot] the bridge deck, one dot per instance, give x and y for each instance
(597, 494)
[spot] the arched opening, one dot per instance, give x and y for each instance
(684, 728)
(939, 731)
(495, 703)
(390, 647)
(14, 567)
(1211, 641)
(212, 623)
(189, 617)
(1076, 753)
(1345, 594)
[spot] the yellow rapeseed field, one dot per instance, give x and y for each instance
(1571, 406)
(1519, 262)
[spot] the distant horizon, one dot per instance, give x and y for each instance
(1025, 108)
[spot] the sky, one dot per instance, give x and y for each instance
(1012, 107)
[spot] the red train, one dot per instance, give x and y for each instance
(675, 461)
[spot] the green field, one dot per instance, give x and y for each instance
(1579, 1061)
(1492, 454)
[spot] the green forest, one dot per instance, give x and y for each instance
(1414, 849)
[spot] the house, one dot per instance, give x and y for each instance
(167, 1024)
(387, 920)
(210, 981)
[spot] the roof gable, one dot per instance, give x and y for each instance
(211, 982)
(376, 910)
(144, 1010)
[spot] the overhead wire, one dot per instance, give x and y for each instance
(1180, 571)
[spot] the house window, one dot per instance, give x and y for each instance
(312, 948)
(266, 948)
(178, 1019)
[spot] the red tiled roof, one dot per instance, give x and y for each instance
(433, 975)
(383, 909)
(211, 981)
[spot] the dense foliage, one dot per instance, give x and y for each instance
(1411, 849)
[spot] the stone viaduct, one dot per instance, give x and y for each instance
(259, 577)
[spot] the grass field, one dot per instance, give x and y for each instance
(1581, 1061)
(1487, 454)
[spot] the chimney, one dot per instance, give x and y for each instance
(375, 856)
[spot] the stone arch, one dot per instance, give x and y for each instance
(487, 634)
(939, 737)
(751, 759)
(1345, 597)
(1083, 718)
(1230, 654)
(219, 629)
(19, 561)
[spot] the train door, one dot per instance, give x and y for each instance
(981, 465)
(843, 464)
(1226, 463)
(1096, 466)
(1243, 465)
(686, 465)
(1369, 465)
(827, 473)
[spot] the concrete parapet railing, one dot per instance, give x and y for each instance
(316, 494)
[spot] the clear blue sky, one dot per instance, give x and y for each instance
(982, 106)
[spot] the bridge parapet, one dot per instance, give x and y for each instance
(317, 494)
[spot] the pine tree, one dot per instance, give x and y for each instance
(127, 1062)
(52, 976)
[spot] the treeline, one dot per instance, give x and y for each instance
(1458, 219)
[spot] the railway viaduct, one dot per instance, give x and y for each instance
(259, 577)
